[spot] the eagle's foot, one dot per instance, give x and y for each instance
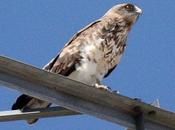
(102, 87)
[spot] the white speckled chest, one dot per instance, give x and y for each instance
(94, 65)
(101, 51)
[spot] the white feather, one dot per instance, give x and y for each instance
(87, 71)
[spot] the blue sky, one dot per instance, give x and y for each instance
(34, 31)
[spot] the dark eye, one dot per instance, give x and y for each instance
(129, 7)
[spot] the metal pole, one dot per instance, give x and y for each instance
(139, 119)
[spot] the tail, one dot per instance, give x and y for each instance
(26, 102)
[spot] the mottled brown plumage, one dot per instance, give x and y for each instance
(94, 51)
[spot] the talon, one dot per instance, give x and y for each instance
(116, 91)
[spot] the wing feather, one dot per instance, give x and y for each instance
(110, 71)
(64, 63)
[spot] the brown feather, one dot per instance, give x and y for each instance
(64, 63)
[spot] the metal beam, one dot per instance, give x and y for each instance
(139, 119)
(80, 97)
(35, 113)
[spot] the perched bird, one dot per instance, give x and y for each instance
(92, 53)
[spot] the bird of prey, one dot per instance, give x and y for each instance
(92, 53)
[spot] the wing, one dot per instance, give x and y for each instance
(110, 71)
(69, 56)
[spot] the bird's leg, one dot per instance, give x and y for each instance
(102, 87)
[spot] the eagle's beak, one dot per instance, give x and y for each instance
(138, 10)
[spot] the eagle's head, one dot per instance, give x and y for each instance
(128, 12)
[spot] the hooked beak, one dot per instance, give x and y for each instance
(138, 10)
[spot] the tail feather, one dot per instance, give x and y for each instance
(21, 102)
(32, 121)
(24, 102)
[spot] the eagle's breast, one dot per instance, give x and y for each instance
(100, 51)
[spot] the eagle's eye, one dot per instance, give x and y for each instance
(129, 7)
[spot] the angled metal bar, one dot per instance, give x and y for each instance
(80, 97)
(35, 113)
(139, 119)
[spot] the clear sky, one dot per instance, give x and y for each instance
(33, 31)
